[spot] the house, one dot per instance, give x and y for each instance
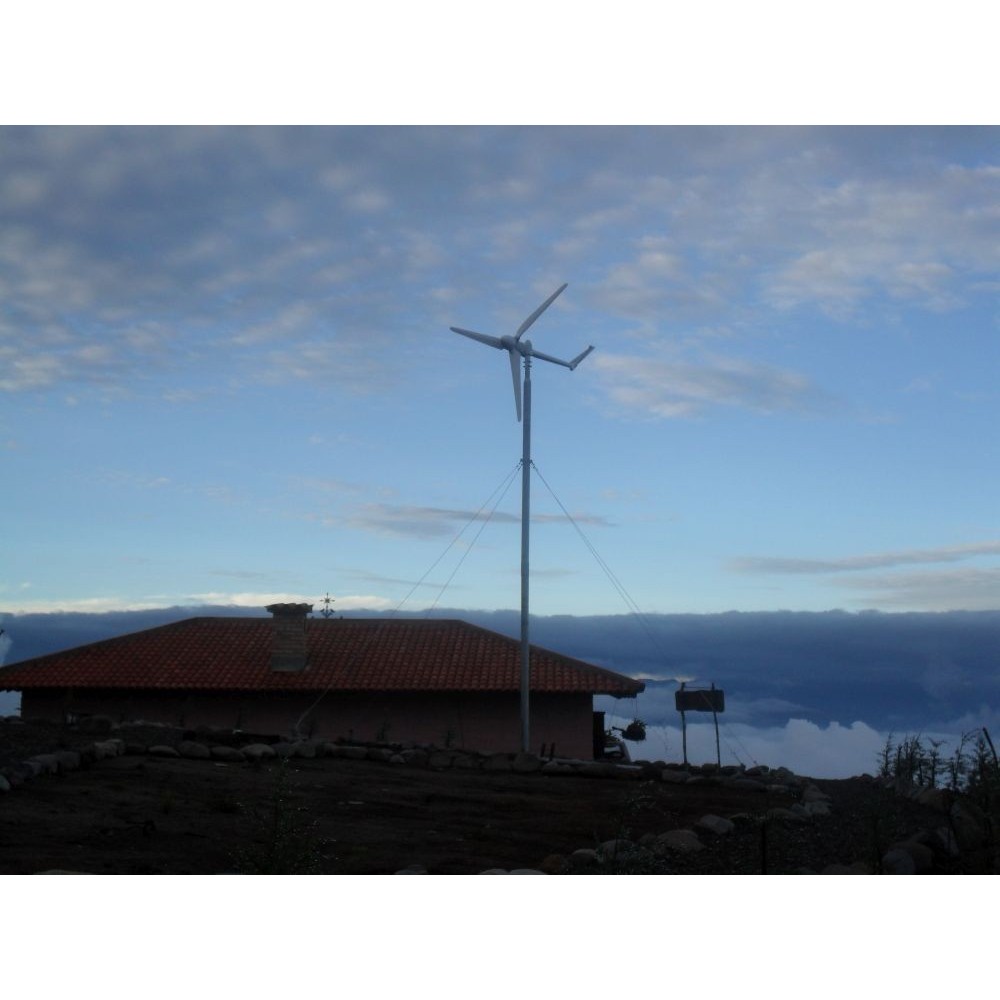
(428, 681)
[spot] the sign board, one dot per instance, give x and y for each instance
(700, 701)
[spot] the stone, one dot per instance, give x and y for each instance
(18, 773)
(412, 870)
(227, 753)
(353, 753)
(4, 784)
(69, 760)
(553, 864)
(675, 777)
(381, 754)
(525, 763)
(525, 871)
(597, 769)
(440, 759)
(717, 825)
(779, 815)
(748, 784)
(611, 849)
(813, 794)
(193, 750)
(48, 761)
(923, 856)
(627, 772)
(397, 759)
(285, 749)
(556, 767)
(898, 861)
(841, 870)
(258, 751)
(466, 762)
(494, 871)
(584, 856)
(681, 841)
(162, 750)
(817, 809)
(935, 798)
(304, 749)
(497, 762)
(414, 756)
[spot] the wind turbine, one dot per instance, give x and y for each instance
(519, 349)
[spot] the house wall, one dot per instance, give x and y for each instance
(474, 721)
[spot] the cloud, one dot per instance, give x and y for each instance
(666, 389)
(881, 560)
(965, 590)
(433, 522)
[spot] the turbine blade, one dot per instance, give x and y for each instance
(522, 329)
(515, 371)
(481, 337)
(548, 357)
(580, 357)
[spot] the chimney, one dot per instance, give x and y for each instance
(288, 649)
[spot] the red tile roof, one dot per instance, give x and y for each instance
(348, 654)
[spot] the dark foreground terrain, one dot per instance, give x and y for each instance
(140, 814)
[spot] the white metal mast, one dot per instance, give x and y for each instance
(518, 349)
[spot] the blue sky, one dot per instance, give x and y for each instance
(227, 375)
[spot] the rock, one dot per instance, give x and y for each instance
(258, 751)
(69, 760)
(285, 748)
(525, 871)
(412, 870)
(969, 824)
(612, 849)
(936, 798)
(898, 861)
(353, 753)
(675, 777)
(227, 753)
(923, 856)
(842, 870)
(749, 784)
(18, 773)
(305, 749)
(414, 756)
(497, 762)
(48, 761)
(466, 762)
(597, 769)
(525, 763)
(584, 856)
(381, 754)
(681, 841)
(553, 864)
(817, 809)
(717, 825)
(440, 759)
(4, 784)
(163, 751)
(813, 794)
(779, 815)
(192, 750)
(628, 772)
(397, 759)
(556, 767)
(494, 871)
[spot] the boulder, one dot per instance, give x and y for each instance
(412, 870)
(717, 825)
(48, 761)
(227, 753)
(69, 760)
(679, 841)
(353, 753)
(526, 871)
(162, 750)
(4, 784)
(584, 856)
(382, 754)
(497, 762)
(193, 750)
(258, 751)
(305, 749)
(674, 776)
(898, 861)
(525, 763)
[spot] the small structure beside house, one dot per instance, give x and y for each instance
(436, 681)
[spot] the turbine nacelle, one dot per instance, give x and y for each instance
(517, 348)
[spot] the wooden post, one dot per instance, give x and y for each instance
(684, 731)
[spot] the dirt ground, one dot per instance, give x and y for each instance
(138, 814)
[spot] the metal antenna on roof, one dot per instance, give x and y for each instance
(327, 603)
(518, 349)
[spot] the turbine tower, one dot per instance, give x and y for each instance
(519, 349)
